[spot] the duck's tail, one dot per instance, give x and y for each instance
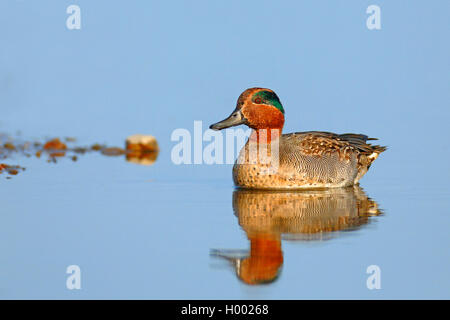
(366, 160)
(376, 150)
(368, 152)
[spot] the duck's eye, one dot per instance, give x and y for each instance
(258, 100)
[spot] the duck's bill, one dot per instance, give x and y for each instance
(235, 119)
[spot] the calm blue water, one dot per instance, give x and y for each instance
(148, 231)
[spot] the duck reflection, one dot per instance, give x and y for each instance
(267, 217)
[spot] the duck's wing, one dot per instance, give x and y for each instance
(347, 145)
(322, 142)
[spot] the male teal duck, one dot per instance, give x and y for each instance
(312, 159)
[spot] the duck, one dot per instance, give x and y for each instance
(299, 160)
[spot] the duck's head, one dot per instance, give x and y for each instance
(258, 108)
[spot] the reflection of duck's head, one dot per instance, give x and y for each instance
(264, 262)
(267, 215)
(263, 265)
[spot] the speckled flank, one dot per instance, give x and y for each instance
(308, 160)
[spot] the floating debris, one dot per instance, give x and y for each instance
(80, 150)
(142, 149)
(9, 146)
(139, 149)
(141, 143)
(55, 144)
(10, 169)
(113, 151)
(97, 147)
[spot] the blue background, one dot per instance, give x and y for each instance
(151, 67)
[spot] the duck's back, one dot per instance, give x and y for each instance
(310, 159)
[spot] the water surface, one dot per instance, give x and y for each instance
(169, 231)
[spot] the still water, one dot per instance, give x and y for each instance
(164, 231)
(167, 231)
